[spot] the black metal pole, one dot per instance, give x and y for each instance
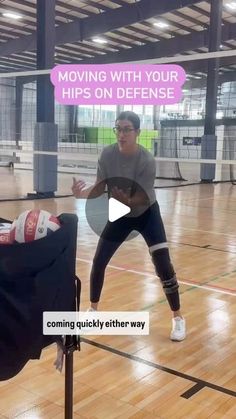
(69, 347)
(45, 59)
(209, 140)
(46, 131)
(213, 67)
(18, 113)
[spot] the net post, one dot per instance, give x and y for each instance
(208, 151)
(45, 166)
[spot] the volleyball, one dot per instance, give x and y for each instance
(5, 233)
(33, 225)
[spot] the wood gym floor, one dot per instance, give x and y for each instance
(145, 376)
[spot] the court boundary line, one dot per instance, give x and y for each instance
(213, 288)
(199, 231)
(200, 384)
(205, 246)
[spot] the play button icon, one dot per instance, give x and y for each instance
(117, 210)
(102, 209)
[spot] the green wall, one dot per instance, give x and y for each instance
(91, 134)
(146, 138)
(106, 136)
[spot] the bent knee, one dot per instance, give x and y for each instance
(163, 266)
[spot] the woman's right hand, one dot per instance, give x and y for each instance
(78, 187)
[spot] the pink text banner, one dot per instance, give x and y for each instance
(114, 84)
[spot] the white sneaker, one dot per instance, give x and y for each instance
(178, 331)
(91, 309)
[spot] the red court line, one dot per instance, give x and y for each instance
(184, 282)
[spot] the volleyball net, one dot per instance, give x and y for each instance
(174, 134)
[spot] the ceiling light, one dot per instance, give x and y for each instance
(161, 25)
(231, 5)
(99, 40)
(12, 15)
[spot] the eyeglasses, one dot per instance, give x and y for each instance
(125, 130)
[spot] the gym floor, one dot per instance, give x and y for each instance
(145, 376)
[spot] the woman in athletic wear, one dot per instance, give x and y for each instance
(128, 170)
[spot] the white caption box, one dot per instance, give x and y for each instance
(96, 323)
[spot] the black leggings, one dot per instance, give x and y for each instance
(151, 227)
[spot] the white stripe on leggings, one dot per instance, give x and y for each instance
(157, 247)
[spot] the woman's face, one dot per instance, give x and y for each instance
(126, 136)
